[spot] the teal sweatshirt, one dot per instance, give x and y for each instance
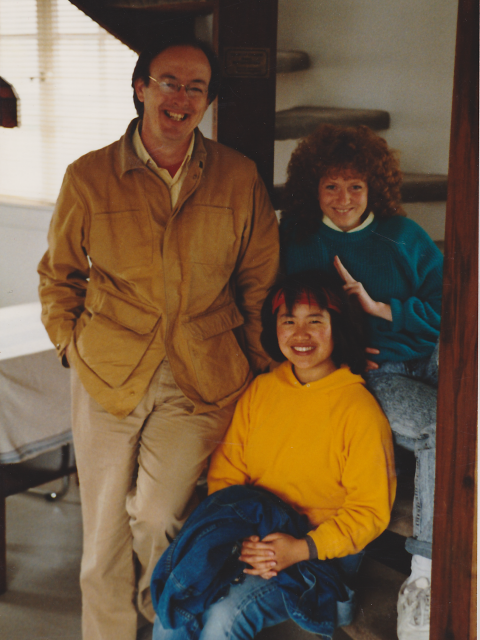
(397, 263)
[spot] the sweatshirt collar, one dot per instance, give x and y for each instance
(339, 378)
(368, 220)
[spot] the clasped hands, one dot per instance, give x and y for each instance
(272, 554)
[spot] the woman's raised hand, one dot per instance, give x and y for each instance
(352, 287)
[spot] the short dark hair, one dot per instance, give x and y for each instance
(347, 329)
(157, 46)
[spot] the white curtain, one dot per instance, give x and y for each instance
(73, 81)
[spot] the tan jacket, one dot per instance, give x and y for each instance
(127, 281)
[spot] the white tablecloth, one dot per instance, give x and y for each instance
(34, 387)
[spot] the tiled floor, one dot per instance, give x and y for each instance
(43, 561)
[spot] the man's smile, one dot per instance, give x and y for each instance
(178, 117)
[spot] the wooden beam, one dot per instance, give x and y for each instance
(136, 27)
(457, 393)
(245, 36)
(473, 594)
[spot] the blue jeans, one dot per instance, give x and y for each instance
(407, 392)
(249, 607)
(244, 612)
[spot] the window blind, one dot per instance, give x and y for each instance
(73, 81)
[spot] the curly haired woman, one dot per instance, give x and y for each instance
(342, 214)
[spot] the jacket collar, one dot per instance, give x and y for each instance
(199, 151)
(194, 173)
(127, 157)
(129, 160)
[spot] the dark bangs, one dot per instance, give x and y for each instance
(328, 294)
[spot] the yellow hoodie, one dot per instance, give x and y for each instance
(324, 447)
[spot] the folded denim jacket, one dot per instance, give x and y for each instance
(202, 562)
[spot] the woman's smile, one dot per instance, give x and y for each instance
(305, 339)
(302, 349)
(343, 199)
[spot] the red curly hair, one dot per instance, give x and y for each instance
(332, 150)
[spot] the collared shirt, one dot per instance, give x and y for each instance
(174, 184)
(370, 218)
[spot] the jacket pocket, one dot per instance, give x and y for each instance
(121, 240)
(220, 365)
(127, 312)
(207, 235)
(115, 337)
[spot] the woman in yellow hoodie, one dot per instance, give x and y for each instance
(311, 434)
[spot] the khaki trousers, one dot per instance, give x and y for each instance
(137, 486)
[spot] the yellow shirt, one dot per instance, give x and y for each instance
(174, 184)
(325, 448)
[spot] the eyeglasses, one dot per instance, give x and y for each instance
(170, 87)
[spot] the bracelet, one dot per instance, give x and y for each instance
(312, 548)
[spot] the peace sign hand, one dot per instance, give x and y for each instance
(352, 287)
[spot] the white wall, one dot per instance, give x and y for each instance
(23, 241)
(392, 55)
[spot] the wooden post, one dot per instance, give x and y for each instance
(457, 393)
(245, 36)
(3, 536)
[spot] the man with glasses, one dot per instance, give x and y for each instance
(161, 249)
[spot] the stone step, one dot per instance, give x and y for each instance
(376, 616)
(416, 187)
(300, 121)
(424, 187)
(401, 520)
(289, 61)
(389, 550)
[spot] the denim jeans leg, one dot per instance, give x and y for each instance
(160, 633)
(431, 371)
(247, 609)
(410, 406)
(240, 615)
(423, 501)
